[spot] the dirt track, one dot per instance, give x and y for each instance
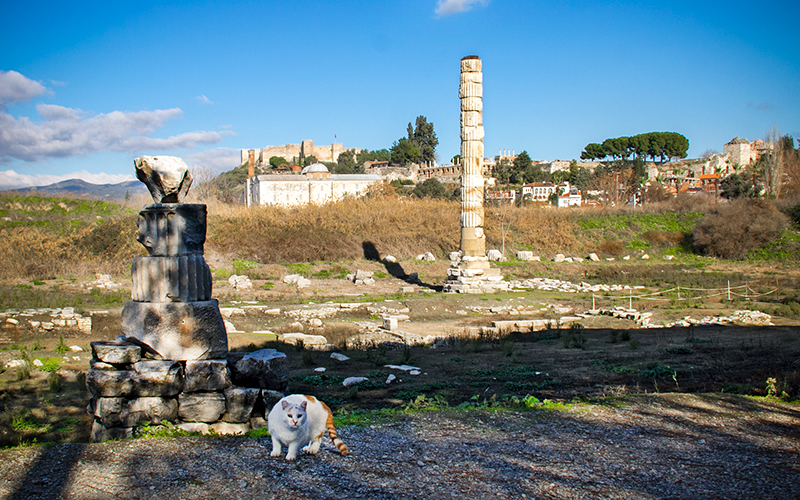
(656, 446)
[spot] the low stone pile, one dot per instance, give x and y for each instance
(361, 277)
(47, 320)
(741, 317)
(103, 282)
(240, 282)
(549, 284)
(641, 318)
(296, 279)
(227, 395)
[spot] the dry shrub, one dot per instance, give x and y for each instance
(738, 227)
(51, 250)
(544, 229)
(664, 237)
(611, 247)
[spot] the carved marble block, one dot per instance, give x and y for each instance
(166, 177)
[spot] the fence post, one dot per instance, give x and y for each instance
(729, 290)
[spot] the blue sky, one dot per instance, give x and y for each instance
(85, 87)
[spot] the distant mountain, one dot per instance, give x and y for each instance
(76, 188)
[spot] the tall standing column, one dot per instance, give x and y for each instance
(470, 91)
(469, 272)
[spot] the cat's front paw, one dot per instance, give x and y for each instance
(275, 453)
(290, 458)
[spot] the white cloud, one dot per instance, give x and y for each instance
(217, 160)
(10, 179)
(204, 100)
(15, 87)
(66, 132)
(449, 7)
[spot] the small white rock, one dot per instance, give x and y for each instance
(353, 381)
(391, 378)
(339, 356)
(320, 369)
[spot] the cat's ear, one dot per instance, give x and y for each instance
(285, 404)
(303, 405)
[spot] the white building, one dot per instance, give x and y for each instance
(313, 185)
(570, 197)
(538, 191)
(541, 192)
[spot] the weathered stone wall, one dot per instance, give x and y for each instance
(329, 153)
(229, 395)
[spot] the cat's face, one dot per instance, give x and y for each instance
(295, 415)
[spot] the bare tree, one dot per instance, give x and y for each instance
(203, 188)
(772, 163)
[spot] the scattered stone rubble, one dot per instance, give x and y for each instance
(550, 284)
(296, 279)
(427, 256)
(239, 282)
(47, 320)
(103, 282)
(361, 277)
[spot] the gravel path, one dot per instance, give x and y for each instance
(660, 446)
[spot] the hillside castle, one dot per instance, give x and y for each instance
(298, 152)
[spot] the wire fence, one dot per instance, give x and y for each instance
(679, 293)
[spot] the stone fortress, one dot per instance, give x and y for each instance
(298, 152)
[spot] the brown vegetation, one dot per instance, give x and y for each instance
(397, 226)
(738, 227)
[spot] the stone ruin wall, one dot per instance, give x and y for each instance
(329, 153)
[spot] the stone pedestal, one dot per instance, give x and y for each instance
(172, 311)
(173, 363)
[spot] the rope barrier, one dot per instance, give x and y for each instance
(656, 296)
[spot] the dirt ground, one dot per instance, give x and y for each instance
(677, 446)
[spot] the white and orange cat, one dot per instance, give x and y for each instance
(300, 420)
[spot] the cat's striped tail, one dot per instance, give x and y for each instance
(332, 431)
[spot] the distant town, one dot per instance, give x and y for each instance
(627, 170)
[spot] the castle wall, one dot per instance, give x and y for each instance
(329, 153)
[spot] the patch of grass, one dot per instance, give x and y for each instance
(320, 380)
(241, 266)
(303, 268)
(336, 272)
(61, 346)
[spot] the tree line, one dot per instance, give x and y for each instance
(662, 145)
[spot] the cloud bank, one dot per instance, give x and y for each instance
(15, 87)
(64, 132)
(446, 8)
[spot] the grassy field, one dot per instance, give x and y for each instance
(57, 246)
